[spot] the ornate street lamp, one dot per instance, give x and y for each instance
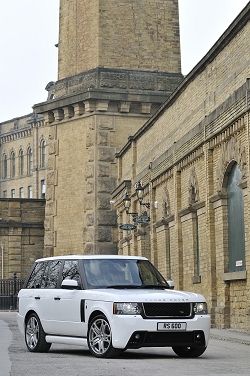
(127, 203)
(140, 194)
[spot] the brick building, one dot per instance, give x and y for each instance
(121, 113)
(192, 159)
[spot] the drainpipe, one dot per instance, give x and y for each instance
(1, 245)
(247, 90)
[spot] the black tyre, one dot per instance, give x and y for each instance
(100, 338)
(34, 335)
(189, 352)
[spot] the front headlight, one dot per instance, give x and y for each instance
(200, 308)
(127, 309)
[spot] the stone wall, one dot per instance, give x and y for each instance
(21, 235)
(81, 175)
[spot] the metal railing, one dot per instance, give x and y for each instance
(9, 289)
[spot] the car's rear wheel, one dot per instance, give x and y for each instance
(189, 352)
(34, 335)
(100, 338)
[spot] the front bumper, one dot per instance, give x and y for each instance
(135, 332)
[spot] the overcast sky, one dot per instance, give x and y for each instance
(29, 32)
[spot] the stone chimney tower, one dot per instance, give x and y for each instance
(118, 62)
(140, 35)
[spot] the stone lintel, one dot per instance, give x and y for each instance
(198, 205)
(235, 275)
(242, 184)
(218, 199)
(187, 211)
(163, 224)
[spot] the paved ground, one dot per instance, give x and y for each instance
(231, 335)
(227, 354)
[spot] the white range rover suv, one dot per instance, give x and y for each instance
(110, 303)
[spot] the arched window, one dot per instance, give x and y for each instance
(30, 161)
(43, 153)
(5, 167)
(236, 233)
(21, 162)
(13, 165)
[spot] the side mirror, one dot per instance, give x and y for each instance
(71, 284)
(170, 284)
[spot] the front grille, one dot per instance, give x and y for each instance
(157, 339)
(168, 310)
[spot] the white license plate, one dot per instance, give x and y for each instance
(171, 326)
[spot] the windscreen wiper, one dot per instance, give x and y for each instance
(154, 287)
(137, 287)
(123, 287)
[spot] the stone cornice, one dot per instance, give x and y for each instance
(112, 84)
(15, 134)
(24, 131)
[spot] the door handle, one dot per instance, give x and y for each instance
(37, 297)
(57, 298)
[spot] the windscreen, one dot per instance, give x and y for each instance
(123, 273)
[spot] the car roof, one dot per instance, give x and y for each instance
(91, 257)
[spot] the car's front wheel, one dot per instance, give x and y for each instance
(100, 338)
(34, 335)
(189, 352)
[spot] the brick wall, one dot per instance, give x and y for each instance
(184, 155)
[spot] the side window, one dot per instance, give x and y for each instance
(36, 279)
(71, 271)
(5, 166)
(30, 161)
(236, 226)
(52, 274)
